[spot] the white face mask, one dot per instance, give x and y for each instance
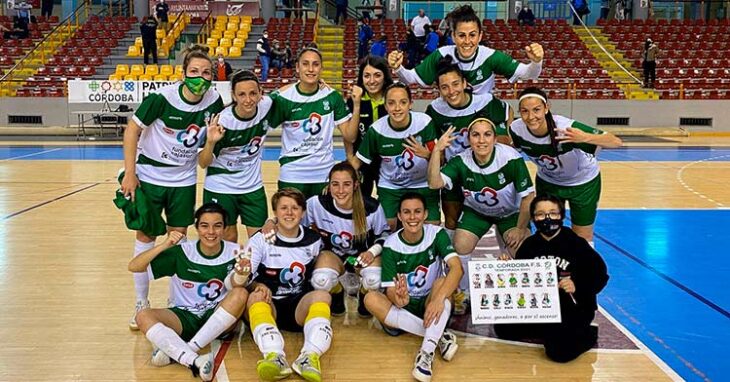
(220, 60)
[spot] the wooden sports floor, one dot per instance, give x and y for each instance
(66, 295)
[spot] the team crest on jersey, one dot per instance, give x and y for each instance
(212, 290)
(418, 277)
(313, 125)
(326, 105)
(501, 179)
(480, 75)
(486, 196)
(253, 147)
(342, 240)
(266, 125)
(189, 137)
(547, 162)
(294, 275)
(405, 159)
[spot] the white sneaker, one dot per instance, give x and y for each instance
(422, 366)
(159, 358)
(203, 367)
(139, 306)
(447, 345)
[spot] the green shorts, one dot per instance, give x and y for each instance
(191, 322)
(251, 207)
(390, 199)
(582, 199)
(417, 306)
(177, 202)
(308, 189)
(479, 224)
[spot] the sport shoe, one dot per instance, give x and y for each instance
(273, 367)
(461, 303)
(422, 367)
(203, 367)
(159, 358)
(393, 332)
(362, 311)
(307, 365)
(447, 345)
(139, 306)
(338, 303)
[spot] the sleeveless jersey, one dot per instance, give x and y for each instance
(197, 280)
(236, 167)
(337, 229)
(421, 262)
(577, 165)
(286, 266)
(307, 135)
(493, 189)
(172, 132)
(399, 166)
(487, 106)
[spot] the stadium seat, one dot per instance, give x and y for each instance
(166, 70)
(134, 51)
(136, 70)
(122, 70)
(151, 70)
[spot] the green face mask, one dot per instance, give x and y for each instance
(197, 85)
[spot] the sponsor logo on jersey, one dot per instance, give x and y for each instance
(418, 277)
(342, 240)
(294, 275)
(326, 105)
(313, 125)
(462, 138)
(168, 131)
(547, 162)
(480, 75)
(211, 290)
(486, 196)
(189, 137)
(188, 285)
(406, 159)
(193, 270)
(501, 178)
(253, 147)
(175, 118)
(387, 145)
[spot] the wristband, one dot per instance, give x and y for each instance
(240, 279)
(376, 250)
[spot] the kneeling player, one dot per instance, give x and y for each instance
(416, 297)
(282, 296)
(201, 312)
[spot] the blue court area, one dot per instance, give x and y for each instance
(114, 152)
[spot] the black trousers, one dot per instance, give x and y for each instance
(150, 47)
(649, 72)
(370, 174)
(564, 342)
(46, 8)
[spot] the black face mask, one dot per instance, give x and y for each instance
(547, 226)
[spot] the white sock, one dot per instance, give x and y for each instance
(317, 335)
(436, 330)
(405, 320)
(268, 338)
(215, 326)
(464, 282)
(169, 342)
(450, 232)
(141, 279)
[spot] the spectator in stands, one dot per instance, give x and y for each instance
(432, 40)
(19, 30)
(413, 48)
(651, 50)
(378, 12)
(341, 6)
(46, 8)
(221, 69)
(161, 10)
(148, 28)
(581, 9)
(526, 17)
(264, 50)
(364, 36)
(289, 55)
(380, 47)
(418, 23)
(278, 55)
(445, 32)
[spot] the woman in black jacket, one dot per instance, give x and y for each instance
(582, 274)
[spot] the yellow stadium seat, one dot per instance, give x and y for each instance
(136, 70)
(122, 69)
(160, 34)
(242, 34)
(175, 77)
(234, 51)
(152, 70)
(246, 18)
(246, 27)
(212, 42)
(138, 42)
(229, 34)
(144, 77)
(130, 77)
(225, 42)
(163, 52)
(234, 19)
(160, 77)
(221, 50)
(221, 18)
(216, 34)
(239, 42)
(134, 51)
(232, 26)
(115, 77)
(179, 70)
(166, 70)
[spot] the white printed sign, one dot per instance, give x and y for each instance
(514, 291)
(128, 92)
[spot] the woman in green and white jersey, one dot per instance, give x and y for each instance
(479, 63)
(458, 107)
(564, 151)
(496, 186)
(310, 113)
(402, 142)
(232, 155)
(161, 146)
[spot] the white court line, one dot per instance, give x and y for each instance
(692, 190)
(32, 154)
(222, 374)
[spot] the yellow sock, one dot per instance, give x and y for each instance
(318, 309)
(337, 289)
(260, 313)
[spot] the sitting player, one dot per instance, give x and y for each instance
(201, 312)
(416, 297)
(282, 296)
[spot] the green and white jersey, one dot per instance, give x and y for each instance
(421, 262)
(494, 189)
(309, 122)
(572, 165)
(399, 166)
(197, 280)
(486, 105)
(173, 130)
(479, 71)
(236, 168)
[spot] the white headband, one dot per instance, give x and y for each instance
(533, 95)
